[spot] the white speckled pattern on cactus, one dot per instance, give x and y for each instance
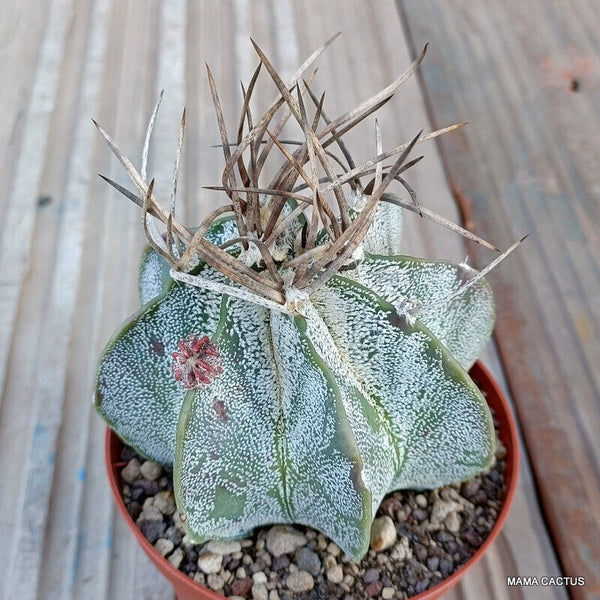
(385, 234)
(136, 392)
(153, 275)
(280, 447)
(463, 325)
(431, 401)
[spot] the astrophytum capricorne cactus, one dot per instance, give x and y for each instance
(287, 360)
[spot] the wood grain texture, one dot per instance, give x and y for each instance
(69, 262)
(527, 76)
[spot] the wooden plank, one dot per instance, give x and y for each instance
(109, 59)
(525, 164)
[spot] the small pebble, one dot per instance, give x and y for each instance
(150, 470)
(388, 592)
(335, 574)
(329, 562)
(471, 487)
(442, 508)
(165, 502)
(283, 539)
(148, 487)
(132, 471)
(421, 501)
(273, 595)
(401, 550)
(283, 562)
(374, 589)
(260, 592)
(422, 585)
(223, 547)
(307, 560)
(152, 530)
(383, 533)
(177, 558)
(333, 549)
(433, 562)
(452, 522)
(174, 535)
(419, 514)
(420, 552)
(164, 546)
(215, 582)
(242, 587)
(259, 577)
(301, 581)
(210, 562)
(371, 575)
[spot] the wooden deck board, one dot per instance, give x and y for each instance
(529, 163)
(68, 272)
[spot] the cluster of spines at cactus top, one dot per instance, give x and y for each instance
(287, 361)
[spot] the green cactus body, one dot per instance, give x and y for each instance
(315, 418)
(287, 361)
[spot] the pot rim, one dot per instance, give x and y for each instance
(507, 433)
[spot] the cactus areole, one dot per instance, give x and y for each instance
(287, 361)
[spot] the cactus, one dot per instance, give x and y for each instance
(288, 362)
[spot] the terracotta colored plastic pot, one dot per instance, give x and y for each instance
(187, 589)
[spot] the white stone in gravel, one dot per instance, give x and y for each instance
(149, 501)
(259, 577)
(150, 470)
(388, 592)
(199, 577)
(421, 501)
(452, 522)
(178, 522)
(210, 562)
(329, 562)
(283, 539)
(273, 595)
(335, 574)
(401, 550)
(260, 592)
(442, 508)
(164, 546)
(165, 502)
(151, 513)
(131, 472)
(223, 547)
(333, 549)
(241, 573)
(383, 533)
(215, 582)
(301, 581)
(176, 558)
(236, 598)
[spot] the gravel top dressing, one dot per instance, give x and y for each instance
(417, 540)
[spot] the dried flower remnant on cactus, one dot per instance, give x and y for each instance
(332, 369)
(196, 362)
